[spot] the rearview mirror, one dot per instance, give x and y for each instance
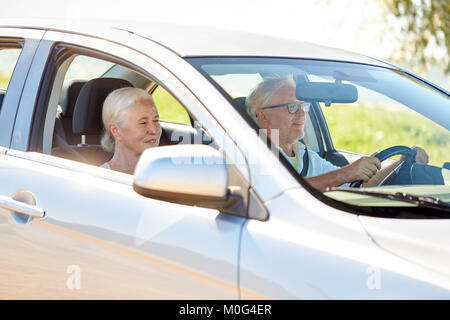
(327, 92)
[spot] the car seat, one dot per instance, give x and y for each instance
(87, 121)
(70, 92)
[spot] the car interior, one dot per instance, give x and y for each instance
(78, 123)
(312, 133)
(77, 128)
(315, 127)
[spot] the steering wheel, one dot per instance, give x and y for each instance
(400, 171)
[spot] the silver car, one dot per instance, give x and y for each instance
(216, 212)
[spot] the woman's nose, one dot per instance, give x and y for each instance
(153, 128)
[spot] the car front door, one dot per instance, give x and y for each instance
(85, 233)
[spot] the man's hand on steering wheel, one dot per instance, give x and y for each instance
(362, 169)
(409, 157)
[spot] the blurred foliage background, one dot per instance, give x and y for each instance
(425, 32)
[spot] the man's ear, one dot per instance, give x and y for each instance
(261, 116)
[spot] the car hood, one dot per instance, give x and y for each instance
(424, 242)
(421, 241)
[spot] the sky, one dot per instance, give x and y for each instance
(355, 25)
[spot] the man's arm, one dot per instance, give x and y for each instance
(327, 180)
(362, 169)
(365, 168)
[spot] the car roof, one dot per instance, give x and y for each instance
(195, 40)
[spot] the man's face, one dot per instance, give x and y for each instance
(290, 125)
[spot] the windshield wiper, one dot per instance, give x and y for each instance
(420, 201)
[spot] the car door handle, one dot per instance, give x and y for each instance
(20, 207)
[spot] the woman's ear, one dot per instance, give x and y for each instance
(114, 131)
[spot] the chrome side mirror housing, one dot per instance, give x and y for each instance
(191, 175)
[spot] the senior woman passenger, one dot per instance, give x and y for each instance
(131, 125)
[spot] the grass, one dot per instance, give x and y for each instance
(366, 130)
(169, 108)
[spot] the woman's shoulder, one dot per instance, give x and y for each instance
(105, 165)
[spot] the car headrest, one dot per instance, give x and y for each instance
(87, 115)
(240, 106)
(70, 92)
(2, 96)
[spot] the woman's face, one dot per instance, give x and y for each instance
(140, 129)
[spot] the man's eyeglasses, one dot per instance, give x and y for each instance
(292, 107)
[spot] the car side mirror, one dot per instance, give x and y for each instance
(187, 174)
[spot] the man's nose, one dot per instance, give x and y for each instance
(300, 113)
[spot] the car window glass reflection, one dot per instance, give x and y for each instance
(8, 60)
(365, 126)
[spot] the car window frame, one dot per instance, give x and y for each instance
(60, 57)
(28, 40)
(120, 52)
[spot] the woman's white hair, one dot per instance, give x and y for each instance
(262, 94)
(117, 101)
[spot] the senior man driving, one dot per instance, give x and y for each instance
(274, 106)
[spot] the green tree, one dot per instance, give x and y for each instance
(425, 31)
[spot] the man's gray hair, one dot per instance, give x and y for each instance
(114, 104)
(262, 94)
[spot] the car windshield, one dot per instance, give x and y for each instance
(341, 112)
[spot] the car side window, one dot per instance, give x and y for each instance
(8, 61)
(81, 69)
(79, 88)
(85, 68)
(73, 125)
(169, 109)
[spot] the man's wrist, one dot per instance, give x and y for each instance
(342, 175)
